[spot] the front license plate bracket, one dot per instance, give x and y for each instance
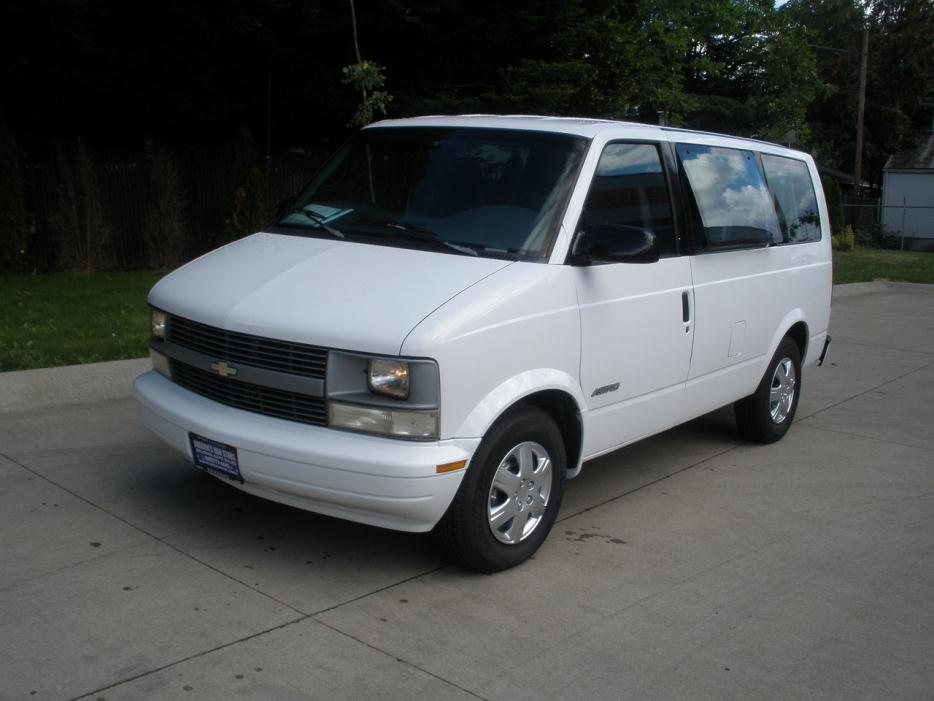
(217, 458)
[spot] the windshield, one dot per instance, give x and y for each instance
(487, 192)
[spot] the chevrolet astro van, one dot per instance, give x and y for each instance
(458, 312)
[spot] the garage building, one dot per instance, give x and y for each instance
(908, 195)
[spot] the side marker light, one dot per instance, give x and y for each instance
(450, 466)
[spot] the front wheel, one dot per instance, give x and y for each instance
(766, 415)
(509, 498)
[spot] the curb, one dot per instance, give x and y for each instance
(23, 390)
(855, 289)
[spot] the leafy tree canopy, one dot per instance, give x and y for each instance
(193, 72)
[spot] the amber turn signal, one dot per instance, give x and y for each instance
(450, 466)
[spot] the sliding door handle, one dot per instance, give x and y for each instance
(685, 307)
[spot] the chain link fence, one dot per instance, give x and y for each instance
(901, 226)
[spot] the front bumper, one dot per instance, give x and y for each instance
(378, 481)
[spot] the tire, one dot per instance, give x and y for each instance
(510, 496)
(766, 415)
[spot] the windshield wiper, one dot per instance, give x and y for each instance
(420, 233)
(319, 220)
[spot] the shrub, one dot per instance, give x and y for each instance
(876, 235)
(845, 241)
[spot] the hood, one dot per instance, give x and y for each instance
(336, 294)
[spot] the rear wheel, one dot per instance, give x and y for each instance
(509, 498)
(766, 415)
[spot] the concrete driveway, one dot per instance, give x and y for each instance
(690, 565)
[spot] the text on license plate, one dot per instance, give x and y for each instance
(217, 458)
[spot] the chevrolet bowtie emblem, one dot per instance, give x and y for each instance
(223, 369)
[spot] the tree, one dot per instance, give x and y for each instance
(13, 227)
(834, 204)
(834, 29)
(164, 227)
(245, 202)
(368, 79)
(748, 69)
(82, 236)
(594, 67)
(900, 90)
(900, 81)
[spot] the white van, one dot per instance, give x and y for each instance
(458, 312)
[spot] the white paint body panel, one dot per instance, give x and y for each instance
(767, 290)
(633, 334)
(327, 293)
(512, 334)
(379, 481)
(499, 331)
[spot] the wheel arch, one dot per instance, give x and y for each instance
(800, 334)
(565, 412)
(795, 326)
(554, 392)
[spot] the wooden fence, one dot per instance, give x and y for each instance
(108, 195)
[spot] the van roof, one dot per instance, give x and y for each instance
(579, 126)
(565, 125)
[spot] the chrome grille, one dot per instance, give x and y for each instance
(250, 397)
(268, 353)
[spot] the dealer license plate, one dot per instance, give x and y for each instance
(216, 458)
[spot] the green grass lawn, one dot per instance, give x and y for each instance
(867, 264)
(70, 318)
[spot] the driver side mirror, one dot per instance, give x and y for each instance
(614, 243)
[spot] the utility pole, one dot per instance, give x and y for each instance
(858, 167)
(268, 129)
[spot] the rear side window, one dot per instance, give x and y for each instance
(732, 205)
(790, 183)
(629, 188)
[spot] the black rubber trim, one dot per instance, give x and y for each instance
(820, 361)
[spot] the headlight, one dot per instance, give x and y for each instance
(388, 377)
(157, 322)
(391, 422)
(395, 397)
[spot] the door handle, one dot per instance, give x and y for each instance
(685, 307)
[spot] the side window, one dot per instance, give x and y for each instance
(629, 188)
(732, 205)
(790, 183)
